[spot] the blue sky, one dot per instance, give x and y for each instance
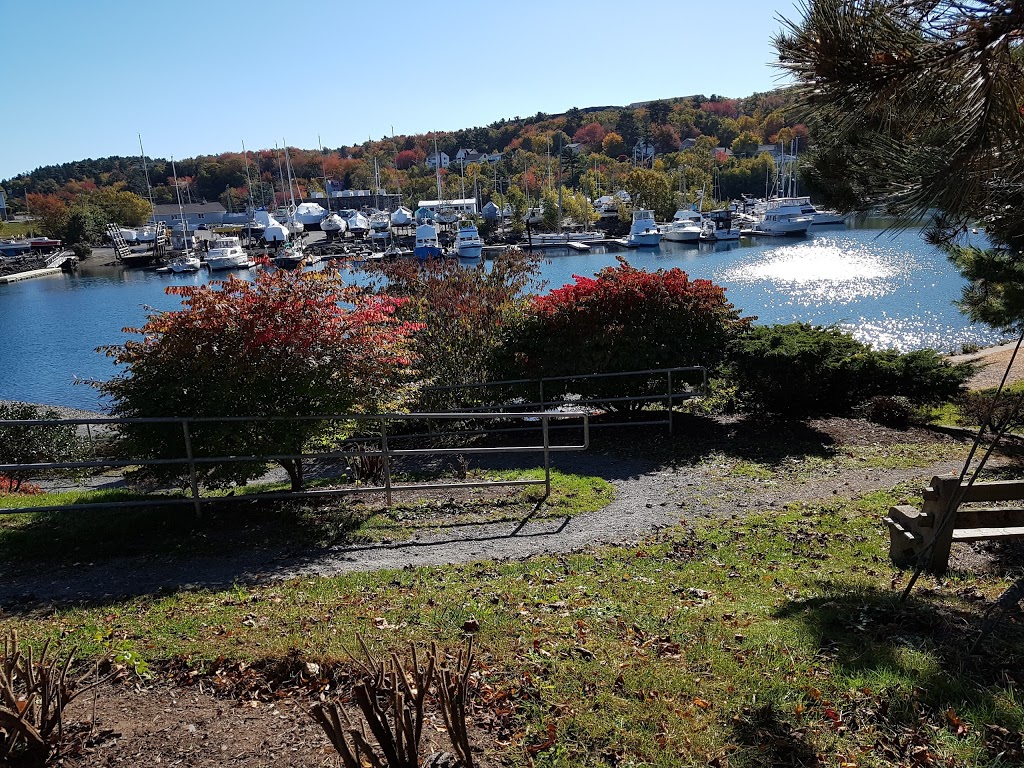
(84, 78)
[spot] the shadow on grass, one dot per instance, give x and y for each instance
(921, 649)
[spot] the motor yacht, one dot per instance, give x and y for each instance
(644, 233)
(291, 256)
(427, 245)
(467, 242)
(782, 219)
(685, 227)
(227, 253)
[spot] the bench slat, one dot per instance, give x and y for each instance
(984, 534)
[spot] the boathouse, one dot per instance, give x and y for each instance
(195, 214)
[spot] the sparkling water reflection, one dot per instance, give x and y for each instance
(888, 290)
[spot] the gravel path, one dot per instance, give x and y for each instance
(649, 496)
(992, 363)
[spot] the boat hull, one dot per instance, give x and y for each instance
(643, 240)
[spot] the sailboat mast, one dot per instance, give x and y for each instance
(280, 171)
(288, 162)
(149, 189)
(248, 180)
(181, 212)
(323, 167)
(559, 184)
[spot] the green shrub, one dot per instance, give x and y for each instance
(35, 443)
(801, 370)
(890, 410)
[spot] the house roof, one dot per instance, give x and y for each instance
(172, 208)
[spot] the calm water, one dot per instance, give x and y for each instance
(889, 290)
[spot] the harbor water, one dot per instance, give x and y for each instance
(888, 289)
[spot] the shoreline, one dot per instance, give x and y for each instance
(66, 412)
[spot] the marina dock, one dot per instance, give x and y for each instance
(30, 274)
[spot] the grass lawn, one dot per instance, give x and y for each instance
(777, 639)
(248, 521)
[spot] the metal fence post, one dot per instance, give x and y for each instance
(387, 461)
(547, 457)
(670, 402)
(193, 481)
(543, 407)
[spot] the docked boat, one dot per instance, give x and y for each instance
(187, 262)
(467, 242)
(534, 216)
(644, 232)
(129, 235)
(309, 215)
(227, 253)
(686, 227)
(782, 219)
(807, 208)
(401, 217)
(427, 244)
(291, 256)
(333, 225)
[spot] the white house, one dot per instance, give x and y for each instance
(433, 158)
(643, 150)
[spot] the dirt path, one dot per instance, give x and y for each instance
(992, 364)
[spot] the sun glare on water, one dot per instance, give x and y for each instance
(824, 270)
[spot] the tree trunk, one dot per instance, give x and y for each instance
(294, 469)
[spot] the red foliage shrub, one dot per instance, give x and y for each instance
(10, 486)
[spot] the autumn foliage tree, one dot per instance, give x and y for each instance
(288, 344)
(623, 319)
(461, 314)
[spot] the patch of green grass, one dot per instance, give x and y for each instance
(18, 228)
(774, 639)
(252, 522)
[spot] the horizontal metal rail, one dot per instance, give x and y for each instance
(669, 397)
(385, 451)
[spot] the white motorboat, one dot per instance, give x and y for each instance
(148, 234)
(467, 242)
(309, 215)
(187, 262)
(685, 227)
(129, 235)
(534, 216)
(358, 224)
(401, 217)
(446, 214)
(781, 219)
(644, 233)
(380, 225)
(333, 225)
(427, 245)
(227, 253)
(291, 256)
(807, 208)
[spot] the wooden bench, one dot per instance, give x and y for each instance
(912, 530)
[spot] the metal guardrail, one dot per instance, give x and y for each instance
(385, 449)
(672, 377)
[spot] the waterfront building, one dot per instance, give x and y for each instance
(194, 214)
(464, 207)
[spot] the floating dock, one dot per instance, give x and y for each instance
(30, 274)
